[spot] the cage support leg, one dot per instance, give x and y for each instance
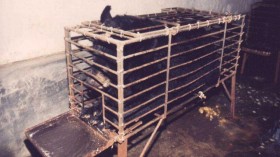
(277, 69)
(122, 149)
(232, 96)
(69, 68)
(151, 139)
(245, 57)
(226, 90)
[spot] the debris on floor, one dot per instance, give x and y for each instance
(210, 112)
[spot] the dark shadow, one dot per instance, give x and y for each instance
(32, 149)
(110, 152)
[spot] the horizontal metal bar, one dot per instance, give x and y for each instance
(78, 38)
(148, 35)
(96, 64)
(144, 103)
(72, 87)
(233, 36)
(147, 28)
(227, 77)
(143, 91)
(227, 46)
(230, 53)
(79, 102)
(197, 38)
(90, 74)
(75, 100)
(113, 124)
(145, 78)
(181, 105)
(189, 83)
(103, 37)
(116, 31)
(200, 47)
(194, 60)
(254, 51)
(89, 101)
(181, 96)
(228, 69)
(143, 115)
(224, 19)
(130, 129)
(186, 74)
(196, 48)
(111, 110)
(230, 61)
(233, 28)
(145, 52)
(143, 127)
(91, 49)
(100, 91)
(144, 65)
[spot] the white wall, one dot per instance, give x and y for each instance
(33, 28)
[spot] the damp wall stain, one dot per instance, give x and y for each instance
(30, 92)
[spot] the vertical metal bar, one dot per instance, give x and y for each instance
(245, 57)
(232, 102)
(248, 25)
(82, 95)
(151, 138)
(239, 44)
(226, 90)
(122, 149)
(223, 49)
(103, 108)
(120, 73)
(167, 73)
(277, 68)
(233, 79)
(69, 68)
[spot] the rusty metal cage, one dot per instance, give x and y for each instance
(204, 44)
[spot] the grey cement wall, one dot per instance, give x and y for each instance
(34, 28)
(30, 92)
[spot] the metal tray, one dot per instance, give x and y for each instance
(67, 135)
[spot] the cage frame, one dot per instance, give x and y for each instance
(125, 133)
